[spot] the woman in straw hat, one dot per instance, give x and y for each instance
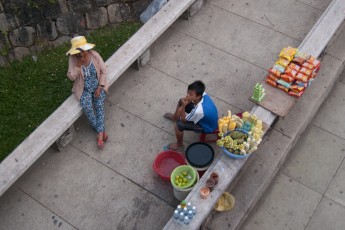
(87, 69)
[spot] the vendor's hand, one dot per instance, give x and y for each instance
(98, 92)
(185, 101)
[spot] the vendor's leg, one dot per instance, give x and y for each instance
(86, 104)
(99, 109)
(179, 138)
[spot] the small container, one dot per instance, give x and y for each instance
(186, 220)
(215, 177)
(194, 210)
(183, 204)
(179, 208)
(189, 206)
(210, 184)
(190, 214)
(176, 214)
(185, 211)
(204, 192)
(181, 216)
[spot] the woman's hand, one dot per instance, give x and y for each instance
(98, 92)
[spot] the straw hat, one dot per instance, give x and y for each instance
(79, 43)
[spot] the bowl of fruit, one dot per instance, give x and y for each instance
(237, 144)
(183, 177)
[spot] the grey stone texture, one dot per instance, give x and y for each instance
(105, 2)
(63, 6)
(126, 11)
(24, 36)
(1, 8)
(47, 30)
(19, 52)
(4, 43)
(8, 22)
(96, 18)
(71, 23)
(80, 6)
(139, 7)
(114, 13)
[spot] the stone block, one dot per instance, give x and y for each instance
(47, 30)
(106, 2)
(1, 8)
(96, 18)
(114, 13)
(65, 138)
(61, 40)
(24, 36)
(19, 52)
(63, 6)
(80, 6)
(126, 11)
(28, 14)
(4, 43)
(51, 10)
(8, 22)
(70, 23)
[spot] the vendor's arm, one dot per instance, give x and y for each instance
(74, 68)
(182, 114)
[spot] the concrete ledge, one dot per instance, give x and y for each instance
(62, 118)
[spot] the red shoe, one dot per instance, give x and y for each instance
(105, 137)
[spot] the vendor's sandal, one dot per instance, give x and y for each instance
(100, 143)
(177, 149)
(169, 116)
(105, 137)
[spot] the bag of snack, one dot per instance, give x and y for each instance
(291, 72)
(270, 82)
(283, 88)
(301, 83)
(283, 83)
(297, 88)
(279, 67)
(283, 62)
(298, 60)
(306, 71)
(287, 78)
(275, 72)
(301, 77)
(308, 65)
(294, 66)
(296, 94)
(272, 77)
(288, 53)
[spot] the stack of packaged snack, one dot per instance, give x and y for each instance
(293, 72)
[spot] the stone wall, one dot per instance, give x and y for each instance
(27, 26)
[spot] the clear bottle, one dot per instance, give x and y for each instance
(194, 210)
(189, 206)
(181, 216)
(185, 211)
(176, 214)
(179, 208)
(190, 214)
(186, 220)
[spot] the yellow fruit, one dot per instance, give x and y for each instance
(185, 180)
(184, 173)
(177, 177)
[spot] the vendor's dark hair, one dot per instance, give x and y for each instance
(198, 87)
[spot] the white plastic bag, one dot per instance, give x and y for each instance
(152, 9)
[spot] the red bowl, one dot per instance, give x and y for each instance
(166, 161)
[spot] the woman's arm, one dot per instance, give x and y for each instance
(74, 69)
(102, 70)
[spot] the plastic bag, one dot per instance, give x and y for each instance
(291, 72)
(297, 88)
(296, 94)
(279, 67)
(294, 66)
(301, 83)
(152, 9)
(308, 65)
(283, 62)
(284, 83)
(301, 77)
(288, 53)
(287, 78)
(283, 88)
(306, 71)
(272, 77)
(301, 55)
(275, 72)
(298, 60)
(270, 82)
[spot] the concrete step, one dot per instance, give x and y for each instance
(258, 172)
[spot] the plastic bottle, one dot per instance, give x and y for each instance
(176, 214)
(186, 220)
(185, 211)
(189, 206)
(190, 214)
(179, 208)
(194, 210)
(181, 216)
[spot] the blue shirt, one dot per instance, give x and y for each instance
(205, 114)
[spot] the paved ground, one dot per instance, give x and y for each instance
(229, 45)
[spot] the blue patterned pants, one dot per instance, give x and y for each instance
(94, 109)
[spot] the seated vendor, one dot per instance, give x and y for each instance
(194, 112)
